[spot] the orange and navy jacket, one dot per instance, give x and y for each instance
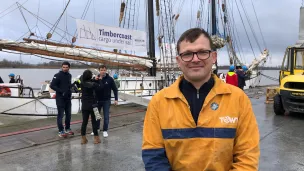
(226, 137)
(232, 78)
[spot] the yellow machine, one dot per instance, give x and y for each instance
(290, 94)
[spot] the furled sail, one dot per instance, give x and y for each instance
(76, 53)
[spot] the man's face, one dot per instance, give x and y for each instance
(103, 71)
(65, 68)
(196, 70)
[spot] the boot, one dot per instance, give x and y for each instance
(96, 140)
(84, 140)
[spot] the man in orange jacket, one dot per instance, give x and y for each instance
(200, 122)
(232, 77)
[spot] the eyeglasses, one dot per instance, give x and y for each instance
(201, 55)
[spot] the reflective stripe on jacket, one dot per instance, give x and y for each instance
(226, 136)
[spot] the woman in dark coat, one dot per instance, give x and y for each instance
(88, 87)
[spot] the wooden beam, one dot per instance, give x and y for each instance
(71, 46)
(65, 56)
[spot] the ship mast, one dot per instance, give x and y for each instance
(151, 52)
(213, 21)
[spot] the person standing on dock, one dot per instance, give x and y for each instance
(12, 78)
(116, 81)
(241, 77)
(231, 77)
(104, 97)
(199, 122)
(89, 100)
(61, 83)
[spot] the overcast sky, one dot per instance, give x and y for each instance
(279, 21)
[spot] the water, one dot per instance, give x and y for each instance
(34, 77)
(264, 80)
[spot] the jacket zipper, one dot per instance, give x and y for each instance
(197, 95)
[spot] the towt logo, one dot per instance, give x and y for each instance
(228, 119)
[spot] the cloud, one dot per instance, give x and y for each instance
(279, 21)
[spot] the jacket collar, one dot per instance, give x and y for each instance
(230, 73)
(106, 76)
(64, 72)
(219, 87)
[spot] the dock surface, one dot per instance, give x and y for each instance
(32, 148)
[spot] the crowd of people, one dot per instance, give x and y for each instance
(96, 93)
(237, 76)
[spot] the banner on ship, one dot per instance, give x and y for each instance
(118, 38)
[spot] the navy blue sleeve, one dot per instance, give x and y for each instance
(155, 160)
(1, 81)
(114, 88)
(55, 84)
(241, 74)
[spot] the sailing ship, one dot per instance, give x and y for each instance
(141, 76)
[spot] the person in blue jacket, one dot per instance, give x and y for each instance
(104, 97)
(241, 77)
(12, 78)
(62, 83)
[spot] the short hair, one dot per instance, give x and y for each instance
(102, 66)
(66, 63)
(87, 75)
(191, 35)
(238, 67)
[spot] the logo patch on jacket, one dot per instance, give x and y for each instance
(228, 119)
(214, 106)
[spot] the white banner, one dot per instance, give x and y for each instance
(118, 38)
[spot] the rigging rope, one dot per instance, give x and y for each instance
(235, 32)
(23, 35)
(38, 12)
(201, 12)
(269, 77)
(23, 17)
(191, 13)
(265, 45)
(232, 31)
(36, 26)
(204, 16)
(41, 20)
(125, 13)
(85, 11)
(137, 14)
(57, 22)
(11, 10)
(245, 28)
(250, 26)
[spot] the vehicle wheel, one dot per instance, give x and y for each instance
(278, 105)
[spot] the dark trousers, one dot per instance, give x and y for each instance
(105, 105)
(85, 118)
(63, 106)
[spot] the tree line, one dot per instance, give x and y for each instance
(50, 65)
